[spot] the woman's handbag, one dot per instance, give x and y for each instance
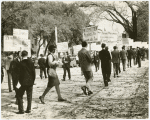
(52, 72)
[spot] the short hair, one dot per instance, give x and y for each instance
(84, 43)
(115, 47)
(123, 47)
(103, 45)
(51, 48)
(24, 53)
(41, 55)
(106, 47)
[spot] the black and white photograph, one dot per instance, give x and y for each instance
(75, 59)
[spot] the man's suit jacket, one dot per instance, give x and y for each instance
(130, 54)
(27, 72)
(115, 56)
(139, 54)
(85, 60)
(105, 58)
(134, 53)
(68, 61)
(123, 54)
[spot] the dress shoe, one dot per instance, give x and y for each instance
(42, 100)
(109, 80)
(28, 111)
(10, 90)
(84, 90)
(61, 100)
(90, 92)
(20, 112)
(63, 79)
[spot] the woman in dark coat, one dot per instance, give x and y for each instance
(52, 81)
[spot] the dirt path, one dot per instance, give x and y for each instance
(126, 97)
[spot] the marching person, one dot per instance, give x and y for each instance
(26, 80)
(15, 70)
(85, 61)
(42, 63)
(109, 70)
(123, 56)
(105, 58)
(115, 60)
(96, 61)
(8, 60)
(51, 63)
(134, 55)
(66, 65)
(138, 57)
(129, 57)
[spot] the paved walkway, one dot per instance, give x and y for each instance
(126, 97)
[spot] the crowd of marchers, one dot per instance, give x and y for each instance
(21, 71)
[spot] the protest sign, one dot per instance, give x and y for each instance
(106, 37)
(20, 33)
(90, 34)
(8, 43)
(62, 47)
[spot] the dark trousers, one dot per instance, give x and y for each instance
(41, 72)
(68, 70)
(134, 60)
(129, 62)
(138, 60)
(96, 65)
(9, 80)
(116, 68)
(106, 78)
(124, 64)
(15, 79)
(20, 94)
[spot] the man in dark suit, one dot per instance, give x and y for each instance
(130, 55)
(96, 61)
(123, 56)
(138, 57)
(66, 65)
(26, 79)
(85, 61)
(105, 58)
(42, 63)
(115, 60)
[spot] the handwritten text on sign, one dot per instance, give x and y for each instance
(90, 34)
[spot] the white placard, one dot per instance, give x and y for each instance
(8, 43)
(62, 47)
(106, 37)
(20, 33)
(90, 34)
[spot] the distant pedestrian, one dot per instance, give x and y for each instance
(85, 61)
(138, 58)
(26, 80)
(123, 56)
(134, 55)
(66, 65)
(105, 58)
(96, 61)
(8, 60)
(53, 80)
(42, 65)
(115, 60)
(130, 55)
